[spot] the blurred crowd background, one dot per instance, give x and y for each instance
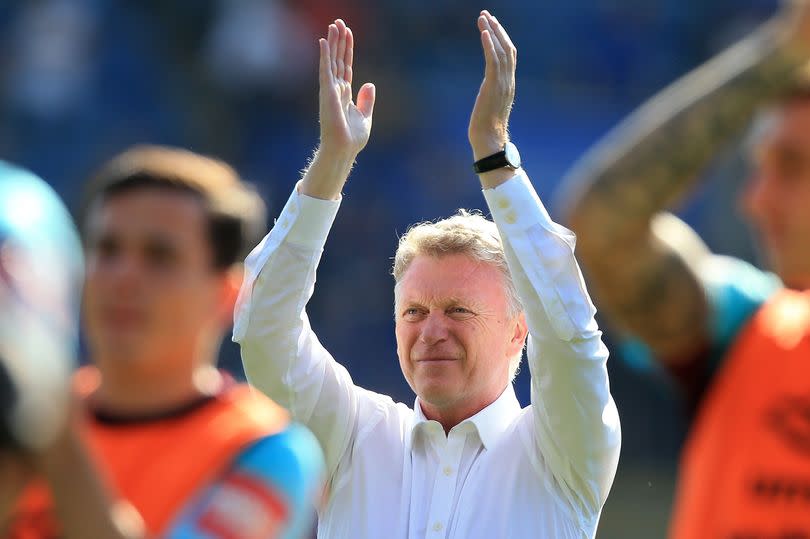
(80, 80)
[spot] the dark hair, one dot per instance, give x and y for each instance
(235, 212)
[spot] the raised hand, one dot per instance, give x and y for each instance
(489, 122)
(345, 126)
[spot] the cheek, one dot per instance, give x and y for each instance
(91, 296)
(195, 303)
(405, 337)
(486, 342)
(96, 280)
(799, 204)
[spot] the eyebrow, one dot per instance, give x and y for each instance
(150, 240)
(446, 302)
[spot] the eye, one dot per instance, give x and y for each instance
(411, 313)
(459, 312)
(106, 248)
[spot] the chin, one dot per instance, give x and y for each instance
(436, 394)
(118, 347)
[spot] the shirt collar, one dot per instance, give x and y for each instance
(490, 422)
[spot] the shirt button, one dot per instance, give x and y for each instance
(448, 470)
(437, 527)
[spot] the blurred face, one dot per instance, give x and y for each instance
(454, 334)
(151, 292)
(777, 198)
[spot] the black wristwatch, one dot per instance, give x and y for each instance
(509, 157)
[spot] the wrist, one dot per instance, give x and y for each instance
(337, 157)
(485, 148)
(326, 174)
(495, 168)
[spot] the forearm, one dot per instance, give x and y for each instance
(655, 156)
(576, 424)
(281, 354)
(270, 340)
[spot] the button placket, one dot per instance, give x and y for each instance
(444, 485)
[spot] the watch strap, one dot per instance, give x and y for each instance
(491, 162)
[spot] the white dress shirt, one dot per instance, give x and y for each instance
(543, 471)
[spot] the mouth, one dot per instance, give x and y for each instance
(436, 360)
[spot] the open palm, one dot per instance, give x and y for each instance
(345, 126)
(488, 129)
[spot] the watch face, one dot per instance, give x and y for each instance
(512, 155)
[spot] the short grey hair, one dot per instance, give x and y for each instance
(468, 233)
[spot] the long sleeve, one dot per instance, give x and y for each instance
(281, 354)
(577, 430)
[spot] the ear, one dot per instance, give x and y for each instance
(521, 331)
(230, 283)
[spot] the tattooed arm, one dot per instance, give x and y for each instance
(643, 265)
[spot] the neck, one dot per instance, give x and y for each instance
(451, 415)
(134, 390)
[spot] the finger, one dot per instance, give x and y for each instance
(490, 55)
(324, 66)
(503, 37)
(332, 38)
(328, 96)
(349, 57)
(341, 49)
(365, 99)
(498, 47)
(482, 22)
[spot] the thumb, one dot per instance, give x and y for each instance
(365, 99)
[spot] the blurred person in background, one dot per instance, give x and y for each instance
(195, 453)
(466, 461)
(39, 323)
(737, 339)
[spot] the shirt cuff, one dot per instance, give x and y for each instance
(305, 221)
(515, 205)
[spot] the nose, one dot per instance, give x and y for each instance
(119, 275)
(434, 329)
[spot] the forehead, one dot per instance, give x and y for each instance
(453, 276)
(148, 212)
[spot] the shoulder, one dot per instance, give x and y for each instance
(285, 471)
(288, 457)
(240, 406)
(270, 488)
(736, 290)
